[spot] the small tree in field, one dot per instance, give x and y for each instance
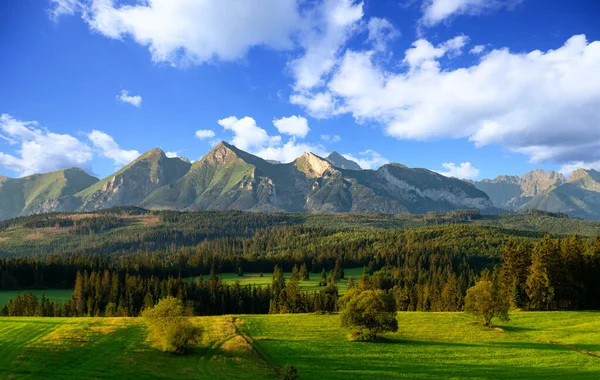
(169, 330)
(371, 312)
(486, 300)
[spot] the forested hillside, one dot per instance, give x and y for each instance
(119, 260)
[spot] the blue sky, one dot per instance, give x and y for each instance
(470, 88)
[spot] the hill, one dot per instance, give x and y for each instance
(534, 345)
(120, 230)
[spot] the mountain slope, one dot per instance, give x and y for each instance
(512, 192)
(41, 192)
(130, 185)
(578, 197)
(228, 178)
(342, 162)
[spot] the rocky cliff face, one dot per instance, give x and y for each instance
(512, 192)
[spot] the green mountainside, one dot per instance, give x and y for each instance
(40, 193)
(134, 182)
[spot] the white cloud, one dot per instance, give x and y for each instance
(463, 171)
(369, 159)
(329, 138)
(108, 148)
(329, 26)
(40, 150)
(436, 11)
(541, 104)
(423, 55)
(293, 126)
(184, 32)
(477, 49)
(248, 136)
(290, 151)
(63, 8)
(205, 134)
(381, 31)
(124, 97)
(172, 154)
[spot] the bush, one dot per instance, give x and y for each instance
(169, 330)
(289, 372)
(372, 312)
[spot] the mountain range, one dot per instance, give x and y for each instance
(228, 178)
(577, 196)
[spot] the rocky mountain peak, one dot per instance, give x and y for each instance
(312, 165)
(342, 162)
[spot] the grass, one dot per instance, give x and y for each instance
(435, 345)
(115, 348)
(312, 284)
(534, 345)
(58, 295)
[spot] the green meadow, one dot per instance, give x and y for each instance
(309, 285)
(534, 345)
(58, 295)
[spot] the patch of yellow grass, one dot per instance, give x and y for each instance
(3, 239)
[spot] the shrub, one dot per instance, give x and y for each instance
(169, 330)
(289, 372)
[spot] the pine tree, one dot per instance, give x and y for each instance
(79, 294)
(541, 281)
(323, 281)
(304, 276)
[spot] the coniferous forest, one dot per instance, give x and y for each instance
(123, 261)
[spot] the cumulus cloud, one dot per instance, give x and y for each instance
(39, 149)
(369, 159)
(330, 25)
(381, 31)
(463, 171)
(293, 126)
(436, 11)
(184, 32)
(172, 154)
(541, 104)
(124, 97)
(108, 148)
(203, 134)
(248, 136)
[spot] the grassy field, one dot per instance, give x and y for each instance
(63, 295)
(545, 345)
(58, 295)
(311, 284)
